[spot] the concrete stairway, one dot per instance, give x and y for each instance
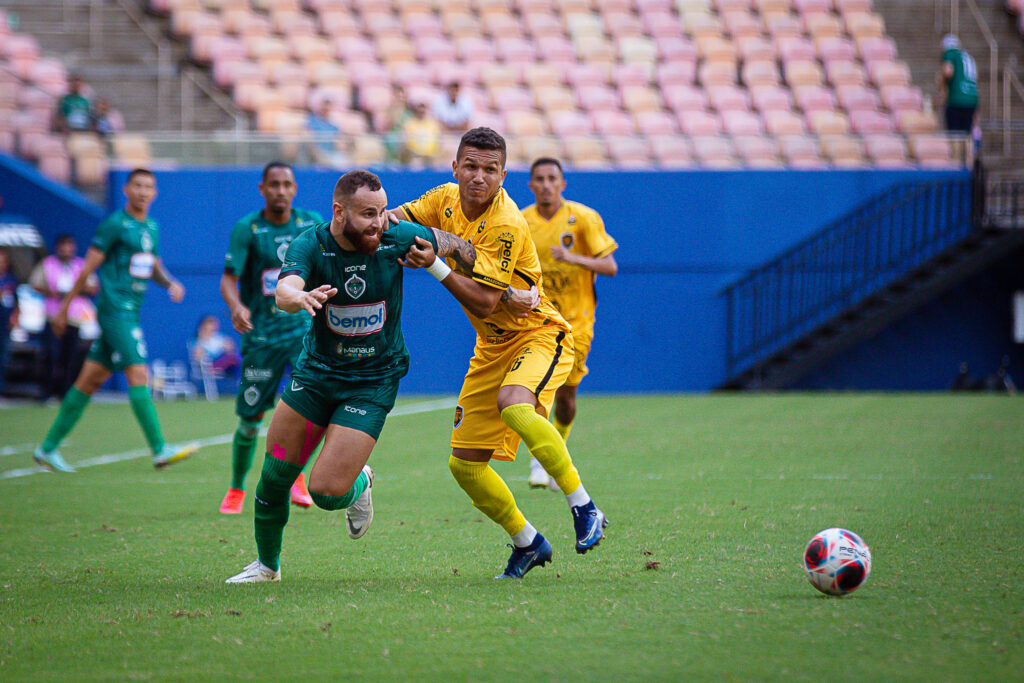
(100, 40)
(917, 26)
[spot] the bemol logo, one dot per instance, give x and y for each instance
(356, 321)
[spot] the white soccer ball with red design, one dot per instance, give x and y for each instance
(837, 561)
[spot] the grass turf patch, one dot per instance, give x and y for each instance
(117, 571)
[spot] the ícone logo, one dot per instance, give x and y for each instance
(355, 286)
(458, 417)
(567, 239)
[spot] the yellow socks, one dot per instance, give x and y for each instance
(489, 493)
(545, 444)
(563, 430)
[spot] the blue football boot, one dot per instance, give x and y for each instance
(537, 554)
(589, 522)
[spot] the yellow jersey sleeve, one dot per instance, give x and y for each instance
(497, 252)
(598, 243)
(429, 209)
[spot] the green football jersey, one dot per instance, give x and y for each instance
(963, 86)
(357, 335)
(255, 253)
(130, 248)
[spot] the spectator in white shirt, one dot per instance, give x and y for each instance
(453, 110)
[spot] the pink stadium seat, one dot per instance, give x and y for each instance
(822, 24)
(738, 123)
(715, 48)
(782, 25)
(864, 24)
(857, 98)
(901, 97)
(799, 73)
(844, 6)
(685, 98)
(714, 152)
(931, 150)
(728, 98)
(654, 5)
(699, 123)
(409, 74)
(541, 74)
(542, 25)
(630, 153)
(843, 151)
(597, 97)
(812, 6)
(795, 48)
(515, 49)
(741, 24)
(831, 48)
(348, 48)
(552, 50)
(368, 73)
(867, 122)
(673, 152)
(755, 48)
(828, 123)
(760, 72)
(717, 73)
(771, 98)
(641, 98)
(844, 72)
(888, 73)
(814, 98)
(724, 6)
(886, 150)
(655, 123)
(583, 75)
(914, 122)
(626, 75)
(586, 152)
(526, 124)
(611, 123)
(511, 98)
(875, 49)
(670, 74)
(435, 49)
(781, 123)
(676, 49)
(622, 24)
(421, 24)
(551, 98)
(800, 152)
(757, 151)
(474, 49)
(496, 73)
(661, 24)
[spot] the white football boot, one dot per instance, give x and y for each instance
(255, 572)
(538, 475)
(359, 515)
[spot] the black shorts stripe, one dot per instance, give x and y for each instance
(554, 364)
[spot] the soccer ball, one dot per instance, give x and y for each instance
(837, 561)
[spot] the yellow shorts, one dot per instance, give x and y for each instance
(539, 359)
(581, 338)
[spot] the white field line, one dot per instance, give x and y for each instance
(409, 409)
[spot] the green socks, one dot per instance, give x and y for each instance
(243, 448)
(338, 502)
(71, 409)
(145, 413)
(272, 506)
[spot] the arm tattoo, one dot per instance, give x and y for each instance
(459, 249)
(506, 295)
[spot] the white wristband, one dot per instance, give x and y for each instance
(439, 269)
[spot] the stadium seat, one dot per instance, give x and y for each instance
(901, 97)
(800, 72)
(717, 73)
(567, 123)
(800, 152)
(714, 152)
(586, 152)
(684, 98)
(844, 72)
(869, 122)
(888, 73)
(843, 151)
(755, 48)
(886, 150)
(864, 24)
(759, 72)
(613, 123)
(795, 49)
(728, 98)
(655, 123)
(674, 73)
(526, 124)
(742, 123)
(915, 122)
(823, 123)
(549, 98)
(876, 49)
(629, 152)
(782, 123)
(673, 152)
(812, 98)
(771, 98)
(757, 151)
(931, 151)
(857, 98)
(699, 123)
(641, 98)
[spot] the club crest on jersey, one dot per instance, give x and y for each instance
(355, 286)
(448, 212)
(146, 241)
(481, 228)
(251, 396)
(282, 249)
(458, 417)
(567, 239)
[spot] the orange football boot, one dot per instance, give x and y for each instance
(232, 503)
(300, 494)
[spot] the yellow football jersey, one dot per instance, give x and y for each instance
(580, 230)
(505, 256)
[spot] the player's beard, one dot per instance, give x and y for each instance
(364, 242)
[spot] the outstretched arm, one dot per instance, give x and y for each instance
(291, 297)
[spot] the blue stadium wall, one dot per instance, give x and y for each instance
(661, 323)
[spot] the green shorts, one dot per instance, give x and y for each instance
(262, 370)
(120, 343)
(326, 400)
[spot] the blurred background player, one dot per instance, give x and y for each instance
(271, 338)
(124, 251)
(53, 278)
(346, 275)
(574, 249)
(960, 76)
(517, 362)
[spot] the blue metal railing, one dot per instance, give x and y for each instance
(841, 265)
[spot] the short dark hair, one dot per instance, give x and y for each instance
(139, 171)
(62, 238)
(272, 165)
(482, 138)
(543, 161)
(349, 183)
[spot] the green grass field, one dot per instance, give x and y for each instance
(117, 572)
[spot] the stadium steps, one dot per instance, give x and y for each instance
(998, 234)
(123, 64)
(912, 24)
